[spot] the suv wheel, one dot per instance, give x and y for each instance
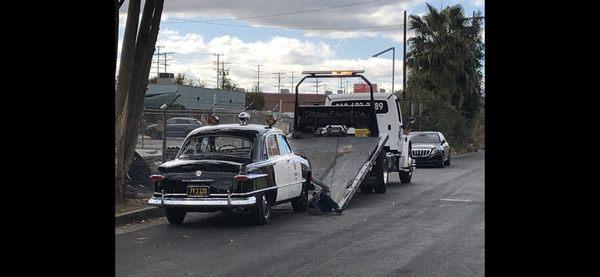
(447, 161)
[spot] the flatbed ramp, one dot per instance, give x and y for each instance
(340, 162)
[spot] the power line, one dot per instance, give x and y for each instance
(292, 12)
(284, 28)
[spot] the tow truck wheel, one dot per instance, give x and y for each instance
(405, 176)
(300, 203)
(175, 215)
(366, 186)
(262, 212)
(381, 175)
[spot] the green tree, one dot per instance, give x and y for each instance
(229, 85)
(180, 79)
(444, 71)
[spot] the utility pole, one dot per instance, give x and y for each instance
(404, 62)
(165, 59)
(158, 60)
(258, 78)
(278, 80)
(218, 72)
(317, 84)
(292, 87)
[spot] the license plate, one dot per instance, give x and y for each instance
(197, 191)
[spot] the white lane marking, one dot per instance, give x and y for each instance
(455, 200)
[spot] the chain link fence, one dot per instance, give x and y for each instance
(180, 122)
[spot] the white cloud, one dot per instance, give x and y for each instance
(384, 12)
(278, 54)
(478, 3)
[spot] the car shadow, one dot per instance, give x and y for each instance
(231, 219)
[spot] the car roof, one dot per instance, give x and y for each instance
(179, 117)
(261, 129)
(424, 132)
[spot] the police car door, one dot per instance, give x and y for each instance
(280, 167)
(294, 168)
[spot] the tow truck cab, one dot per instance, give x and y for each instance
(389, 121)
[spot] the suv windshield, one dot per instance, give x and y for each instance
(425, 138)
(217, 145)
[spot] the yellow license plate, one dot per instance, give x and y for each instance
(198, 191)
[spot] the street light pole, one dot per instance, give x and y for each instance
(393, 62)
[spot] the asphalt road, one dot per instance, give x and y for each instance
(433, 226)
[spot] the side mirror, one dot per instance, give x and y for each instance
(443, 141)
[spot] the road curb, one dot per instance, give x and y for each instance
(462, 155)
(138, 215)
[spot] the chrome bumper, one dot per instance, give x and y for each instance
(202, 202)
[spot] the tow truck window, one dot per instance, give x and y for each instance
(272, 148)
(217, 145)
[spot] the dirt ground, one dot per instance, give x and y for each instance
(131, 204)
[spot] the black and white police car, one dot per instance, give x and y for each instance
(232, 166)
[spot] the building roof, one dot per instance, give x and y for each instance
(194, 97)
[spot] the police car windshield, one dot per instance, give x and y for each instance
(425, 138)
(215, 145)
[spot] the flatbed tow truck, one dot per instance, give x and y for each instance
(343, 143)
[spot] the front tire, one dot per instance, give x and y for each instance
(441, 162)
(300, 203)
(405, 177)
(447, 161)
(175, 216)
(262, 213)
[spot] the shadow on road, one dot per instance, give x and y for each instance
(230, 219)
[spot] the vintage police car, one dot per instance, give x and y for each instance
(232, 166)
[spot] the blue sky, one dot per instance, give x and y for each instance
(287, 43)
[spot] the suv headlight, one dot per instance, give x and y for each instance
(435, 151)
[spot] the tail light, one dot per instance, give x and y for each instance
(241, 178)
(156, 178)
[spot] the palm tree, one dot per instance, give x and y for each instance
(444, 67)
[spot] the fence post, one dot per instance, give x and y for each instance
(164, 136)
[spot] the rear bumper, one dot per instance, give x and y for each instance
(203, 203)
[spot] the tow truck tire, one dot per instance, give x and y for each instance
(175, 215)
(366, 186)
(405, 177)
(381, 175)
(300, 203)
(262, 212)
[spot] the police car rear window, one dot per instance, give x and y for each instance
(217, 145)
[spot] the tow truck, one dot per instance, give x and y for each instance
(348, 143)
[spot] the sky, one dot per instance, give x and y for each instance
(288, 37)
